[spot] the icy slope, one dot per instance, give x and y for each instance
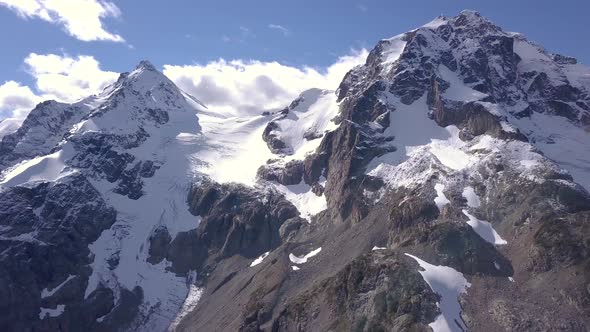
(234, 148)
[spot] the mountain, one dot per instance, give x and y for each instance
(443, 185)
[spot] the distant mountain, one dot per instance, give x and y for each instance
(443, 186)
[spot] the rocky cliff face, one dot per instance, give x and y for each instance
(438, 153)
(443, 186)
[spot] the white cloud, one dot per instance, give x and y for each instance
(229, 87)
(250, 87)
(67, 78)
(61, 78)
(16, 100)
(80, 18)
(245, 31)
(280, 28)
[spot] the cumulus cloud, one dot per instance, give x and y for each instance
(67, 78)
(228, 87)
(16, 100)
(250, 87)
(280, 28)
(58, 77)
(81, 19)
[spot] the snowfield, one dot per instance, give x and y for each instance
(440, 200)
(484, 229)
(449, 284)
(46, 168)
(259, 259)
(234, 149)
(471, 197)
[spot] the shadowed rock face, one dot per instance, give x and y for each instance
(285, 174)
(46, 232)
(274, 142)
(236, 220)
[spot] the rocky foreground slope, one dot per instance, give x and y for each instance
(443, 186)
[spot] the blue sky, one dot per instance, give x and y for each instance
(295, 33)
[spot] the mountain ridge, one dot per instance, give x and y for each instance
(428, 191)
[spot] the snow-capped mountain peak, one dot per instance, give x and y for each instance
(133, 144)
(467, 61)
(438, 169)
(145, 65)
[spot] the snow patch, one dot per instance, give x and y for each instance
(47, 293)
(48, 312)
(449, 284)
(304, 199)
(457, 89)
(259, 259)
(449, 152)
(440, 200)
(403, 123)
(300, 260)
(473, 200)
(484, 229)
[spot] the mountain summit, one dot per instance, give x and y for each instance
(443, 186)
